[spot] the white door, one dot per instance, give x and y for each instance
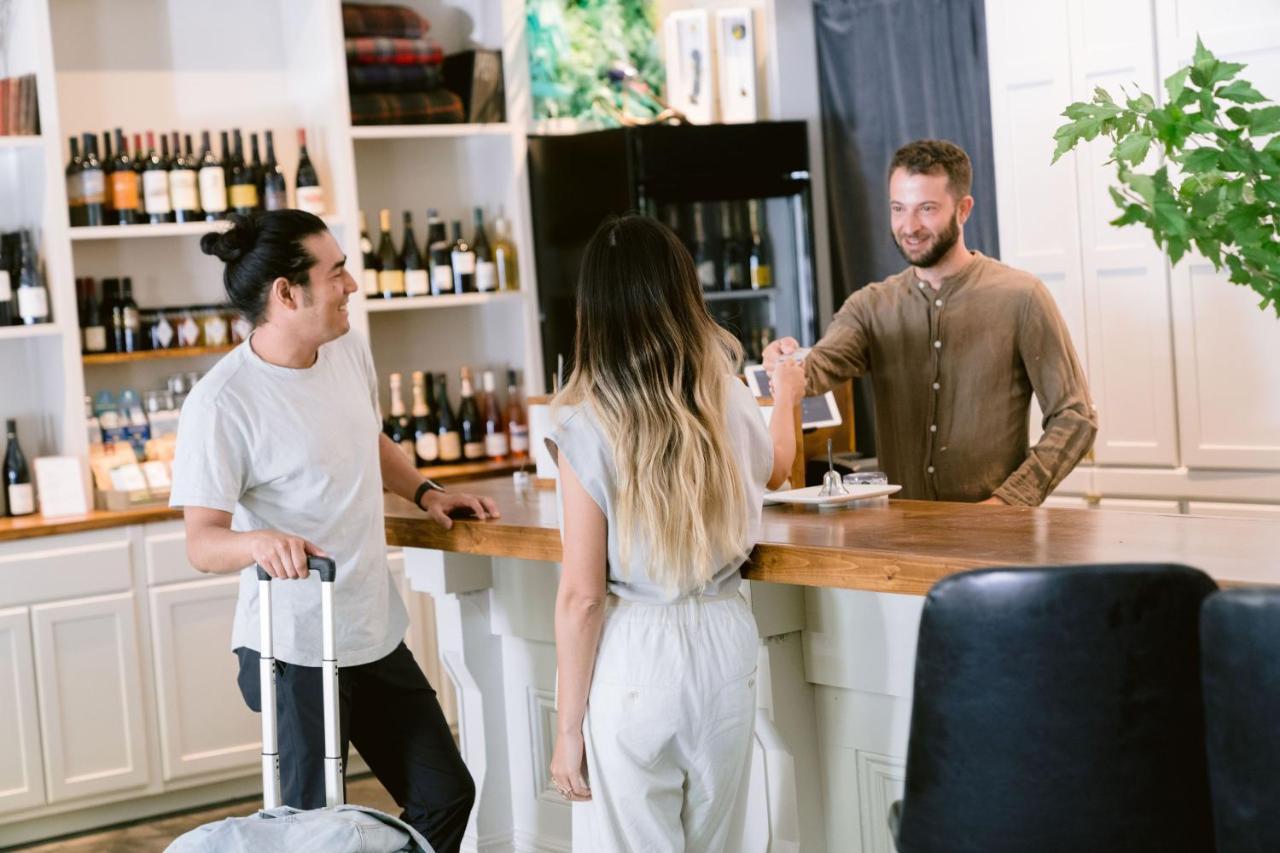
(21, 767)
(205, 725)
(90, 693)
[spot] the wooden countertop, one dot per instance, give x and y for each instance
(902, 547)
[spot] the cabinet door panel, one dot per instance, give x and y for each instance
(21, 766)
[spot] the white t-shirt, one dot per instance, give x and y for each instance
(296, 450)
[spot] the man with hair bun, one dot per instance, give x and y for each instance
(956, 344)
(281, 455)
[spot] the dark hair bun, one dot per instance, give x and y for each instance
(232, 244)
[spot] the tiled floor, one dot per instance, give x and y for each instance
(155, 835)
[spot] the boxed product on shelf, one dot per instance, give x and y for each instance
(476, 75)
(19, 107)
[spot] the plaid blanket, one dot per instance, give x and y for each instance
(375, 50)
(384, 20)
(437, 107)
(381, 79)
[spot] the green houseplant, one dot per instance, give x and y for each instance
(1224, 196)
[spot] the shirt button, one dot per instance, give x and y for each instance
(933, 427)
(938, 302)
(921, 283)
(937, 344)
(936, 386)
(929, 469)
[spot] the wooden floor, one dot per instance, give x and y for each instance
(156, 834)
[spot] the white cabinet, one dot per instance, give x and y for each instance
(205, 726)
(90, 694)
(21, 766)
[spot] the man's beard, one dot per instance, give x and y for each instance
(941, 245)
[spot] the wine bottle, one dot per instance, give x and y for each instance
(8, 310)
(20, 496)
(243, 191)
(307, 189)
(274, 193)
(129, 318)
(761, 257)
(226, 164)
(184, 192)
(112, 316)
(703, 258)
(469, 415)
(496, 444)
(390, 276)
(255, 168)
(75, 186)
(369, 260)
(416, 282)
(33, 298)
(93, 184)
(155, 185)
(108, 166)
(213, 180)
(450, 437)
(140, 166)
(124, 185)
(504, 254)
(94, 330)
(517, 420)
(426, 440)
(733, 257)
(463, 261)
(439, 255)
(397, 426)
(486, 271)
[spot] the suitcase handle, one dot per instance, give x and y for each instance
(327, 568)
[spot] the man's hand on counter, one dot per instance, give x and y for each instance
(441, 505)
(993, 500)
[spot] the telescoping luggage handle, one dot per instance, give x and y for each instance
(327, 570)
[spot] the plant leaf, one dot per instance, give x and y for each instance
(1208, 106)
(1225, 71)
(1200, 160)
(1133, 148)
(1175, 83)
(1133, 214)
(1241, 92)
(1264, 121)
(1240, 116)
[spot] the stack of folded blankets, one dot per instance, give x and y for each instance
(393, 71)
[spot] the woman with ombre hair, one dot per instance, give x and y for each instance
(663, 460)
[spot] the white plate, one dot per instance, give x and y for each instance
(810, 496)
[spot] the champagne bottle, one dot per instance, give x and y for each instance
(504, 255)
(94, 330)
(255, 168)
(93, 183)
(8, 311)
(486, 272)
(139, 168)
(184, 192)
(469, 415)
(397, 426)
(733, 258)
(131, 322)
(703, 257)
(243, 190)
(20, 496)
(213, 181)
(416, 282)
(463, 261)
(517, 419)
(390, 275)
(155, 185)
(450, 437)
(124, 185)
(496, 444)
(761, 257)
(75, 187)
(310, 195)
(439, 255)
(274, 193)
(33, 298)
(426, 439)
(113, 314)
(108, 166)
(369, 261)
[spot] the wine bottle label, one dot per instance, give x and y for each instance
(124, 190)
(486, 276)
(131, 319)
(6, 288)
(188, 332)
(428, 447)
(311, 199)
(216, 331)
(371, 283)
(95, 339)
(275, 198)
(416, 283)
(519, 438)
(33, 303)
(495, 444)
(473, 450)
(182, 190)
(162, 334)
(761, 275)
(391, 281)
(75, 190)
(240, 328)
(93, 185)
(22, 499)
(244, 196)
(464, 263)
(155, 191)
(441, 279)
(213, 189)
(707, 274)
(450, 447)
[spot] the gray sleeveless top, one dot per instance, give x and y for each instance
(578, 435)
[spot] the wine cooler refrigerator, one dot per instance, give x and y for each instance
(738, 196)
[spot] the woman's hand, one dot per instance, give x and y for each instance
(787, 383)
(569, 767)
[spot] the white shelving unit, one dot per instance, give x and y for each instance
(431, 131)
(21, 142)
(168, 229)
(451, 300)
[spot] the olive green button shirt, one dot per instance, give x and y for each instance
(953, 372)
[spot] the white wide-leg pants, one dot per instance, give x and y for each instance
(669, 728)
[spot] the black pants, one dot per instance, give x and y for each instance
(390, 712)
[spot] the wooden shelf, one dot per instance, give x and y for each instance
(21, 141)
(430, 131)
(154, 355)
(473, 470)
(448, 300)
(167, 229)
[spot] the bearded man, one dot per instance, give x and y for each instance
(955, 345)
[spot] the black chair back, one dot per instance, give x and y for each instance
(1058, 710)
(1240, 672)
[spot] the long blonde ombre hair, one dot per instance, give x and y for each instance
(653, 367)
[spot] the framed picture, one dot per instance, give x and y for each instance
(735, 39)
(688, 47)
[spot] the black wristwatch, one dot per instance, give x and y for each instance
(428, 485)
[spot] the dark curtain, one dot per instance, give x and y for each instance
(891, 71)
